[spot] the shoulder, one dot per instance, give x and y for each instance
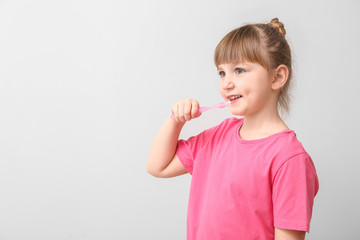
(232, 120)
(288, 145)
(220, 131)
(228, 123)
(226, 127)
(286, 148)
(290, 153)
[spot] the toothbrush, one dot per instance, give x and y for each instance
(203, 109)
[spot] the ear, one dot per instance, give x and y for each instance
(280, 76)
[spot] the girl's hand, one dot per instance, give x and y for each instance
(185, 110)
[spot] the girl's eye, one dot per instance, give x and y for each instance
(239, 70)
(222, 74)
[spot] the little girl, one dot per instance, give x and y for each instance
(251, 177)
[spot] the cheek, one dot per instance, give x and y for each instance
(221, 90)
(247, 91)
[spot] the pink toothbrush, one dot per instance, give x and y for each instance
(203, 109)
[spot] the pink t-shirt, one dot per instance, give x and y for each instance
(242, 189)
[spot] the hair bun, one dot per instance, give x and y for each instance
(277, 25)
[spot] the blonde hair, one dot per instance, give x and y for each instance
(264, 44)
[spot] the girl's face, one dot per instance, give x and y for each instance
(248, 87)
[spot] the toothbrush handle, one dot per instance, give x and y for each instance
(203, 109)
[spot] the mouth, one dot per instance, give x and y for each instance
(234, 98)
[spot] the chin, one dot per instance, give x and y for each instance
(237, 113)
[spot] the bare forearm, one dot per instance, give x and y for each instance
(164, 146)
(287, 234)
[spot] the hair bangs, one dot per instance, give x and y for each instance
(240, 45)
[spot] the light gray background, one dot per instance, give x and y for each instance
(85, 86)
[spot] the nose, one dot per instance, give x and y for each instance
(227, 83)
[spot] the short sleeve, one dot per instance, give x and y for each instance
(295, 186)
(187, 150)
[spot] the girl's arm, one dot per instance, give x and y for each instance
(162, 160)
(163, 149)
(286, 234)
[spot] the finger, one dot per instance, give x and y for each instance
(195, 109)
(187, 110)
(174, 111)
(181, 112)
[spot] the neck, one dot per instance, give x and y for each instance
(257, 123)
(262, 124)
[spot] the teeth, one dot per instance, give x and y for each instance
(234, 97)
